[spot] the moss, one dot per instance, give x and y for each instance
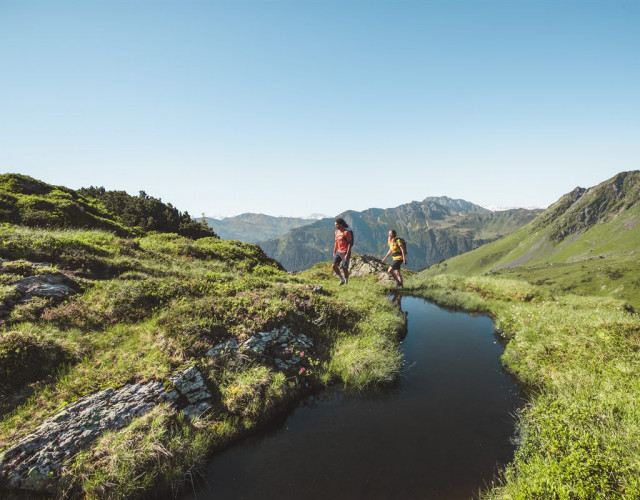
(27, 358)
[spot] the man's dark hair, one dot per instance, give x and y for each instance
(393, 233)
(341, 222)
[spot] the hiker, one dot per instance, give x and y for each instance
(342, 250)
(397, 248)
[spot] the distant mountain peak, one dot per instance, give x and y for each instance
(583, 208)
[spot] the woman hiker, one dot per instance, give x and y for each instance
(342, 250)
(398, 251)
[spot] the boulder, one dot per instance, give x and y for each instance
(35, 462)
(45, 285)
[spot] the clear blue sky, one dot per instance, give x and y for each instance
(295, 107)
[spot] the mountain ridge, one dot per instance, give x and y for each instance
(435, 229)
(587, 242)
(254, 227)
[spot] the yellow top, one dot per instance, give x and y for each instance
(394, 246)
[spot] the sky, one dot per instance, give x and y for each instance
(291, 108)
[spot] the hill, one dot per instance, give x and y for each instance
(30, 202)
(563, 292)
(254, 228)
(435, 229)
(587, 242)
(129, 355)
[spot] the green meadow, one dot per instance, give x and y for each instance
(149, 305)
(148, 301)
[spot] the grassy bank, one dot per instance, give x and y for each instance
(146, 306)
(579, 357)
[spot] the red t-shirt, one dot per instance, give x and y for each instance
(343, 240)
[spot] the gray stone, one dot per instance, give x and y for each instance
(229, 346)
(190, 384)
(35, 462)
(45, 285)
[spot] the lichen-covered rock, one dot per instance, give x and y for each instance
(189, 386)
(35, 462)
(44, 285)
(226, 347)
(362, 265)
(279, 347)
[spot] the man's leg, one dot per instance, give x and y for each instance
(336, 269)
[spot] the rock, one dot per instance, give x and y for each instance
(226, 347)
(272, 347)
(35, 462)
(362, 265)
(44, 285)
(190, 386)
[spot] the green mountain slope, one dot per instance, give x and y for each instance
(30, 202)
(586, 242)
(435, 229)
(128, 355)
(254, 228)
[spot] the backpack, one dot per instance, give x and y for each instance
(352, 238)
(403, 243)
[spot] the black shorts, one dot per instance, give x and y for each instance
(395, 264)
(341, 260)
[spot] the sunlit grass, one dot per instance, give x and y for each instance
(149, 305)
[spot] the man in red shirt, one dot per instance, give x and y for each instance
(342, 250)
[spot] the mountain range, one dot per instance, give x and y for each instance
(254, 228)
(586, 242)
(435, 229)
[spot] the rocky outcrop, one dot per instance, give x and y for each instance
(35, 462)
(279, 347)
(51, 286)
(189, 392)
(362, 265)
(45, 285)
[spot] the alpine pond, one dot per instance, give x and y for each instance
(441, 432)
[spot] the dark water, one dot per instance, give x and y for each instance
(438, 435)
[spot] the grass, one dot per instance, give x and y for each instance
(367, 353)
(147, 306)
(579, 358)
